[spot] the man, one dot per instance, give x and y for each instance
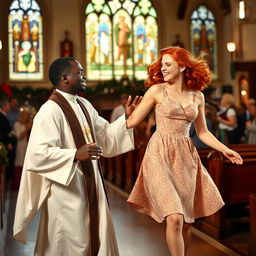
(13, 112)
(250, 105)
(7, 136)
(57, 173)
(120, 109)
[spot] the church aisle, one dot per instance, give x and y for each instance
(137, 234)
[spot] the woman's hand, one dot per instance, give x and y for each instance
(233, 156)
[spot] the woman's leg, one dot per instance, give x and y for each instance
(174, 238)
(186, 233)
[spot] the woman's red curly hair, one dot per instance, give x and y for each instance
(196, 74)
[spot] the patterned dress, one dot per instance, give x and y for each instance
(172, 178)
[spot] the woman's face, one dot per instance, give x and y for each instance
(170, 68)
(253, 110)
(25, 116)
(224, 101)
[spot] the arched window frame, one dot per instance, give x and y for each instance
(120, 5)
(36, 72)
(207, 18)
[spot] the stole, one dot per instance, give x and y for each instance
(87, 166)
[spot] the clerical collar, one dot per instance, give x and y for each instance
(69, 97)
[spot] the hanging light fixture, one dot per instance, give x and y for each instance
(231, 46)
(241, 10)
(1, 45)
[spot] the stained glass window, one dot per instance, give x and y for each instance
(121, 38)
(25, 40)
(204, 36)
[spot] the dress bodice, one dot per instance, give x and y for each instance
(174, 119)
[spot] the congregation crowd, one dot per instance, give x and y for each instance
(15, 125)
(230, 123)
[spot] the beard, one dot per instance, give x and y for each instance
(82, 87)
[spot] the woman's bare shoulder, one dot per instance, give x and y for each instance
(199, 96)
(156, 88)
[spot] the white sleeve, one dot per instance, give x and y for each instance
(114, 138)
(231, 112)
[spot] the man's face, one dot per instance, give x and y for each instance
(253, 110)
(13, 103)
(250, 104)
(6, 107)
(76, 78)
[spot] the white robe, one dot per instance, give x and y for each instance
(53, 182)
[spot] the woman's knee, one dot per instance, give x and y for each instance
(175, 221)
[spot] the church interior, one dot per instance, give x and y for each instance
(115, 41)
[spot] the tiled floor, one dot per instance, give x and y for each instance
(137, 235)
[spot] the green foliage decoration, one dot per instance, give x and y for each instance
(125, 85)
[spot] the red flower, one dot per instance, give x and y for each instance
(6, 88)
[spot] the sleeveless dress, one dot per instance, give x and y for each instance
(172, 178)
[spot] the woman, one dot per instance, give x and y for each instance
(22, 129)
(228, 133)
(172, 185)
(251, 126)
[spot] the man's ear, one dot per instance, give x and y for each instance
(64, 78)
(182, 69)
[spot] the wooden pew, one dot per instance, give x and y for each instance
(235, 183)
(244, 149)
(203, 153)
(252, 242)
(123, 170)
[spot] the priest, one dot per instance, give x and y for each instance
(61, 173)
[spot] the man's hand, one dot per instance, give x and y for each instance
(131, 105)
(89, 151)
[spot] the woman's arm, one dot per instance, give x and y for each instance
(140, 112)
(205, 136)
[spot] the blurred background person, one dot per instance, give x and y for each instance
(211, 123)
(227, 118)
(22, 130)
(241, 122)
(250, 108)
(7, 136)
(209, 99)
(13, 112)
(120, 109)
(251, 126)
